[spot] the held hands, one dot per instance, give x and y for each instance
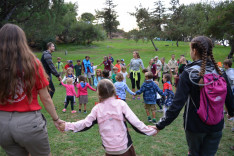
(58, 123)
(62, 127)
(60, 78)
(154, 127)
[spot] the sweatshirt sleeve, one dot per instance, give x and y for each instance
(84, 124)
(136, 124)
(141, 90)
(159, 90)
(63, 84)
(128, 90)
(48, 59)
(64, 78)
(90, 87)
(142, 64)
(78, 92)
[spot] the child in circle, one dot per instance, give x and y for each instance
(82, 92)
(98, 77)
(115, 70)
(118, 65)
(124, 72)
(121, 87)
(93, 72)
(111, 115)
(105, 74)
(149, 90)
(78, 69)
(70, 91)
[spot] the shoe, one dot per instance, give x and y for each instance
(231, 119)
(138, 98)
(64, 110)
(79, 111)
(85, 112)
(149, 119)
(133, 97)
(154, 121)
(73, 111)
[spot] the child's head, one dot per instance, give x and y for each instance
(122, 60)
(91, 63)
(115, 69)
(70, 62)
(156, 83)
(105, 74)
(105, 89)
(227, 63)
(145, 70)
(166, 77)
(118, 61)
(78, 62)
(183, 60)
(123, 69)
(151, 61)
(69, 71)
(105, 58)
(82, 78)
(163, 60)
(87, 58)
(119, 77)
(69, 81)
(98, 73)
(149, 75)
(59, 59)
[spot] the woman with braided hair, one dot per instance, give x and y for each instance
(202, 139)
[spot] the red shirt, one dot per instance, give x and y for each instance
(167, 86)
(118, 66)
(107, 65)
(20, 103)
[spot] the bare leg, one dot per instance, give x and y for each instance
(85, 106)
(80, 106)
(154, 115)
(147, 112)
(90, 83)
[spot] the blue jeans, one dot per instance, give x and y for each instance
(203, 144)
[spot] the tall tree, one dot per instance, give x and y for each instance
(87, 17)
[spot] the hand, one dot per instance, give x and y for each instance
(154, 127)
(60, 78)
(57, 124)
(62, 127)
(82, 72)
(228, 116)
(128, 76)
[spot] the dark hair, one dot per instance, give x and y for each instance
(105, 89)
(87, 57)
(49, 44)
(149, 75)
(137, 53)
(228, 62)
(119, 77)
(81, 78)
(105, 73)
(167, 77)
(204, 46)
(117, 60)
(78, 61)
(145, 70)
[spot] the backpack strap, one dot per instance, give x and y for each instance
(186, 119)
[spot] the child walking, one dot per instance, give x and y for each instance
(98, 77)
(70, 91)
(124, 72)
(150, 90)
(111, 115)
(121, 87)
(82, 92)
(167, 90)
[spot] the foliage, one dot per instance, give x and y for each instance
(87, 17)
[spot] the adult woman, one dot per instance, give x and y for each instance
(22, 126)
(202, 139)
(134, 68)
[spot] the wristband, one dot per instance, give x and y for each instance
(56, 119)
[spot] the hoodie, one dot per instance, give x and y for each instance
(121, 88)
(150, 90)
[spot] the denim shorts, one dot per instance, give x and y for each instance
(23, 133)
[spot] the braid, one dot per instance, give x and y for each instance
(202, 51)
(215, 64)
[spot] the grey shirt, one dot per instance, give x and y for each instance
(135, 64)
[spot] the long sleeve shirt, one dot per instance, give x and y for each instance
(83, 90)
(70, 89)
(135, 64)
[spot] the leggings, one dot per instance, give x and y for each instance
(70, 98)
(137, 82)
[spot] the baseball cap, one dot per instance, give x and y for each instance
(122, 59)
(156, 57)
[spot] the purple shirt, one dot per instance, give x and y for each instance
(107, 65)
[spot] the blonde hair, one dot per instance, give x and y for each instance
(100, 71)
(115, 68)
(123, 68)
(69, 80)
(69, 69)
(105, 89)
(119, 77)
(149, 75)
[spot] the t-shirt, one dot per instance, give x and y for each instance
(67, 66)
(94, 70)
(124, 75)
(113, 78)
(119, 67)
(20, 102)
(107, 65)
(153, 69)
(78, 69)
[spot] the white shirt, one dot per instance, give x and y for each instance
(124, 75)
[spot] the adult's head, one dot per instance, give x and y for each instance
(136, 54)
(201, 49)
(50, 47)
(173, 56)
(87, 58)
(163, 60)
(17, 63)
(156, 58)
(151, 61)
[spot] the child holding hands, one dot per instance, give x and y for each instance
(111, 114)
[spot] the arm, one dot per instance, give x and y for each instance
(129, 91)
(100, 64)
(159, 90)
(84, 124)
(73, 91)
(142, 65)
(63, 84)
(137, 125)
(141, 90)
(64, 78)
(95, 82)
(78, 92)
(178, 103)
(91, 87)
(48, 60)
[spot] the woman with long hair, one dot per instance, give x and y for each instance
(22, 126)
(202, 138)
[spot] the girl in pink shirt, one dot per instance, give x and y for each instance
(111, 115)
(70, 91)
(82, 92)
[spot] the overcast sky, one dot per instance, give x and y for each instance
(127, 22)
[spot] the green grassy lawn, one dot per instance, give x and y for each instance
(170, 141)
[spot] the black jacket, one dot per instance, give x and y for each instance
(48, 65)
(185, 88)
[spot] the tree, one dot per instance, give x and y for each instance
(87, 17)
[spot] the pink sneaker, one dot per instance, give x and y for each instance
(64, 110)
(73, 111)
(138, 98)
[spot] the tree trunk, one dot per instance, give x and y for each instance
(231, 43)
(177, 43)
(156, 49)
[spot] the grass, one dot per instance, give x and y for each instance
(170, 141)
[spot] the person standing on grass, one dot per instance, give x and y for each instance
(87, 69)
(159, 67)
(78, 69)
(165, 67)
(173, 66)
(49, 67)
(153, 69)
(22, 126)
(134, 68)
(112, 61)
(59, 66)
(202, 139)
(107, 64)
